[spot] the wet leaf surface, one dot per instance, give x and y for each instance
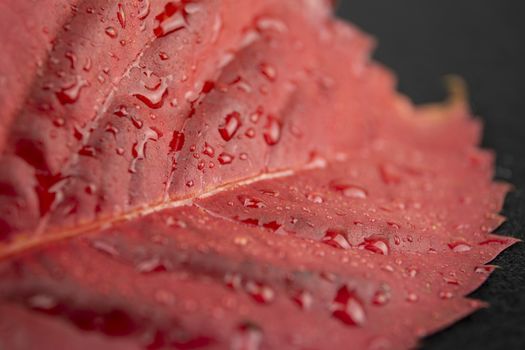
(224, 174)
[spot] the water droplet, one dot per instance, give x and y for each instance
(269, 192)
(105, 248)
(388, 268)
(58, 122)
(348, 190)
(207, 86)
(136, 122)
(154, 96)
(139, 148)
(250, 202)
(90, 189)
(225, 158)
(121, 111)
(153, 264)
(412, 272)
(71, 92)
(446, 295)
(304, 299)
(248, 336)
(268, 23)
(272, 225)
(268, 71)
(208, 150)
(250, 133)
(192, 8)
(177, 141)
(242, 241)
(170, 20)
(390, 174)
(315, 198)
(111, 128)
(87, 65)
(42, 302)
(336, 238)
(347, 307)
(233, 281)
(255, 116)
(163, 56)
(451, 280)
(459, 247)
(394, 225)
(111, 32)
(412, 297)
(260, 292)
(232, 123)
(272, 132)
(376, 245)
(72, 59)
(88, 151)
(201, 165)
(381, 296)
(121, 16)
(144, 10)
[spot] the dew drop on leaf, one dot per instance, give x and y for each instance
(445, 295)
(349, 190)
(139, 148)
(348, 308)
(144, 9)
(231, 125)
(111, 32)
(153, 264)
(304, 299)
(71, 92)
(376, 245)
(170, 20)
(459, 247)
(412, 297)
(121, 16)
(381, 297)
(208, 150)
(315, 197)
(225, 158)
(250, 202)
(260, 292)
(177, 141)
(336, 238)
(268, 71)
(88, 151)
(154, 96)
(272, 131)
(247, 336)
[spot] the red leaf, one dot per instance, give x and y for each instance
(227, 174)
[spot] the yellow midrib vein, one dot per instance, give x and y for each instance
(27, 241)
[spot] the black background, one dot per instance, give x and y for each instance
(484, 42)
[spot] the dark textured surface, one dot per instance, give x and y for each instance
(484, 42)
